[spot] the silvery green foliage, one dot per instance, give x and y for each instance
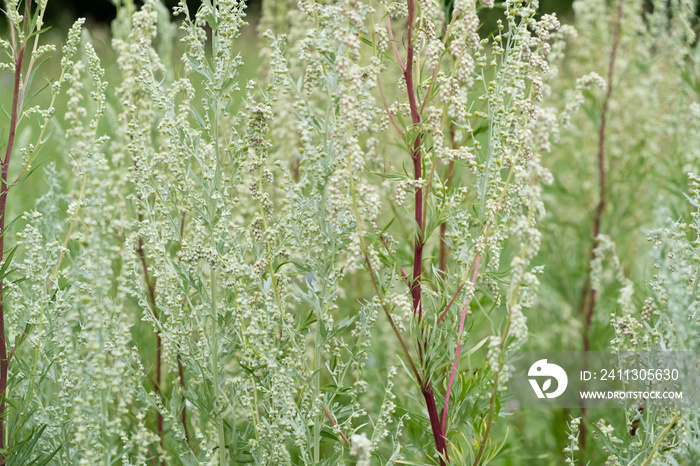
(80, 372)
(229, 273)
(487, 97)
(227, 260)
(674, 319)
(249, 255)
(676, 301)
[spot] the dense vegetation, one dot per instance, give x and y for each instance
(317, 238)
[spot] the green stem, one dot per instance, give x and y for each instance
(317, 393)
(214, 313)
(661, 439)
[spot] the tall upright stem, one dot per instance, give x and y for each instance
(588, 294)
(419, 240)
(180, 366)
(4, 189)
(465, 308)
(213, 309)
(416, 158)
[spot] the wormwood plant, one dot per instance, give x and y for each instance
(21, 370)
(210, 305)
(471, 190)
(323, 265)
(443, 104)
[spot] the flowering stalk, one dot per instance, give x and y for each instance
(419, 241)
(17, 97)
(459, 349)
(571, 449)
(22, 29)
(424, 142)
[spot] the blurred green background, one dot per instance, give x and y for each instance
(103, 11)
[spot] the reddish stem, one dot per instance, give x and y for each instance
(386, 246)
(335, 424)
(459, 349)
(386, 107)
(440, 444)
(588, 294)
(600, 209)
(416, 157)
(393, 324)
(4, 189)
(449, 305)
(393, 43)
